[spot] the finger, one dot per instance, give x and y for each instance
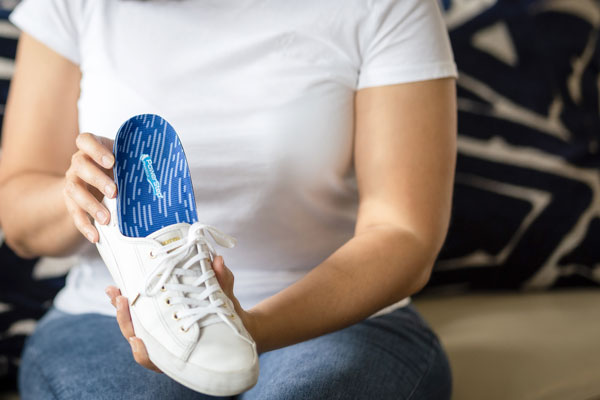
(231, 283)
(226, 280)
(112, 292)
(106, 142)
(86, 201)
(87, 170)
(95, 149)
(140, 354)
(81, 221)
(224, 275)
(124, 317)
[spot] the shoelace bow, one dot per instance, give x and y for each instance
(174, 254)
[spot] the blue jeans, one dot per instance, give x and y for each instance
(394, 356)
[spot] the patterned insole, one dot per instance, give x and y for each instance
(153, 179)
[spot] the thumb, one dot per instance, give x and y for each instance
(224, 276)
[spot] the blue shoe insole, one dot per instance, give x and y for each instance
(154, 188)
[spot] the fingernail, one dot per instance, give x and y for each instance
(101, 216)
(133, 344)
(109, 190)
(119, 304)
(89, 236)
(107, 292)
(107, 161)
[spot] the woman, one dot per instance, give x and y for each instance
(320, 134)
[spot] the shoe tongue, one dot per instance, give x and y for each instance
(171, 233)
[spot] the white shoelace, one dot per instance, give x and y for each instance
(178, 252)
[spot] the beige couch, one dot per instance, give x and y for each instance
(537, 346)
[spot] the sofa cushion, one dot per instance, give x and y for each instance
(534, 346)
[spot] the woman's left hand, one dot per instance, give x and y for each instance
(140, 354)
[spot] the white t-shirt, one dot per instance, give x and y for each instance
(261, 93)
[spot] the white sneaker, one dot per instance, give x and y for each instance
(189, 326)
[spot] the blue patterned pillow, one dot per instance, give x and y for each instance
(8, 48)
(526, 208)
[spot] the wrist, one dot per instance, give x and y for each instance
(255, 324)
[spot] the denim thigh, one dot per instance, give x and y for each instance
(84, 356)
(393, 356)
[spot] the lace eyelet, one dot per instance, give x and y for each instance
(163, 289)
(175, 317)
(232, 316)
(152, 255)
(168, 301)
(184, 330)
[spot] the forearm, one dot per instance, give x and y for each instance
(376, 268)
(34, 217)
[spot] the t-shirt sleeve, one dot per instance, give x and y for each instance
(406, 41)
(54, 23)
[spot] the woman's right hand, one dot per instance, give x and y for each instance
(88, 179)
